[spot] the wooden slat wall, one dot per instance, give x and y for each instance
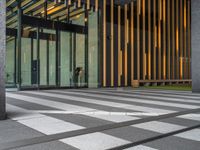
(164, 58)
(156, 33)
(104, 43)
(149, 38)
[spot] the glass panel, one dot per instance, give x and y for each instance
(93, 50)
(43, 62)
(79, 19)
(34, 64)
(80, 59)
(52, 63)
(10, 62)
(66, 73)
(26, 62)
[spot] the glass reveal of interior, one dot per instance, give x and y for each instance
(55, 58)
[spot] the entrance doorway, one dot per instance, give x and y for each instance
(55, 59)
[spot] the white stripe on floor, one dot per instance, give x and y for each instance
(160, 127)
(95, 141)
(119, 97)
(42, 123)
(49, 125)
(195, 117)
(113, 117)
(140, 147)
(63, 106)
(104, 103)
(18, 113)
(170, 97)
(169, 92)
(191, 135)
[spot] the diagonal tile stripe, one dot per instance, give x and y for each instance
(94, 141)
(159, 127)
(164, 128)
(49, 125)
(159, 96)
(63, 106)
(17, 113)
(191, 135)
(105, 103)
(169, 92)
(140, 147)
(119, 97)
(191, 117)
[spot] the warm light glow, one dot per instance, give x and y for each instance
(181, 67)
(185, 16)
(156, 43)
(48, 9)
(96, 5)
(119, 47)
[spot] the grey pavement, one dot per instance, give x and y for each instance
(97, 119)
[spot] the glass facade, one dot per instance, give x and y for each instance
(103, 44)
(10, 62)
(56, 58)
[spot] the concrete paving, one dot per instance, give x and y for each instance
(97, 119)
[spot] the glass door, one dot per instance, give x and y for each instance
(80, 72)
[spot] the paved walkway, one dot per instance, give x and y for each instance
(95, 119)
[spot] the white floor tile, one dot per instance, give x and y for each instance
(94, 141)
(104, 103)
(195, 117)
(159, 127)
(49, 125)
(191, 135)
(187, 106)
(53, 104)
(140, 147)
(113, 117)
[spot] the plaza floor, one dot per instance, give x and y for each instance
(98, 119)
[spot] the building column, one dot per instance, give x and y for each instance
(2, 57)
(195, 24)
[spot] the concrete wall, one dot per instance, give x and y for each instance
(2, 57)
(195, 15)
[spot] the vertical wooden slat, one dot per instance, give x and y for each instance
(181, 39)
(149, 39)
(88, 4)
(155, 39)
(164, 40)
(125, 48)
(96, 5)
(189, 40)
(185, 40)
(112, 41)
(169, 39)
(119, 47)
(79, 3)
(144, 39)
(104, 43)
(177, 39)
(138, 38)
(132, 42)
(159, 37)
(173, 40)
(69, 2)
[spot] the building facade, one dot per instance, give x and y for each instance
(97, 43)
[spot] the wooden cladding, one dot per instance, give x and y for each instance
(146, 40)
